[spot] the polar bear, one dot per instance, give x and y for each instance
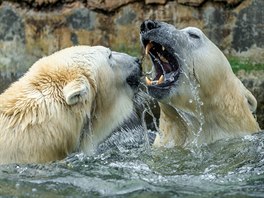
(68, 101)
(200, 98)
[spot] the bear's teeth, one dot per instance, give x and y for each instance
(163, 48)
(161, 79)
(148, 81)
(148, 47)
(154, 82)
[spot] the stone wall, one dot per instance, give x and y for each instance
(30, 29)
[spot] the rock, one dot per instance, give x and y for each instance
(155, 1)
(230, 2)
(39, 3)
(248, 31)
(191, 2)
(107, 5)
(49, 25)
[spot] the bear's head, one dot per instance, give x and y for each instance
(68, 101)
(182, 59)
(201, 99)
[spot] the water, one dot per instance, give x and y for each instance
(192, 118)
(125, 168)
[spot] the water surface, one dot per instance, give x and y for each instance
(127, 167)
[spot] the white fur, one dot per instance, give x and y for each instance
(44, 114)
(227, 106)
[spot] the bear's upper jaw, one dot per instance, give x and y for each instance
(165, 64)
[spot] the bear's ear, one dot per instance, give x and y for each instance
(75, 91)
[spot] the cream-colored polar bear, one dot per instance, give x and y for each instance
(201, 100)
(68, 101)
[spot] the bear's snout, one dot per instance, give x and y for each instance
(134, 78)
(138, 63)
(148, 25)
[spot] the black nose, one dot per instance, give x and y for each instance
(148, 25)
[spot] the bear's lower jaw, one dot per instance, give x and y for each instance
(158, 92)
(161, 90)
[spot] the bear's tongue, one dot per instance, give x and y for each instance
(165, 71)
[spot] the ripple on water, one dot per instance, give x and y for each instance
(227, 168)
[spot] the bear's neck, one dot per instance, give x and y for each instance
(177, 128)
(217, 119)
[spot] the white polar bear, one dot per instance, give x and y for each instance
(201, 100)
(68, 101)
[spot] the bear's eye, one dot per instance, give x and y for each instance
(193, 35)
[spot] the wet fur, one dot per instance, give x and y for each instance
(44, 113)
(227, 105)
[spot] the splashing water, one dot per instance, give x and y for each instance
(145, 101)
(198, 114)
(227, 168)
(188, 117)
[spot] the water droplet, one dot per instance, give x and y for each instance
(17, 185)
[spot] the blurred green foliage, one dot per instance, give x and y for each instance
(132, 50)
(244, 64)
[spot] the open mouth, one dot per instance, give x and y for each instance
(165, 64)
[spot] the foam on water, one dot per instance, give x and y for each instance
(226, 168)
